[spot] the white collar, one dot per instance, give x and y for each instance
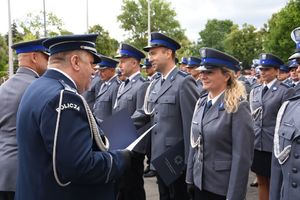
(107, 82)
(214, 100)
(269, 85)
(65, 74)
(133, 75)
(165, 77)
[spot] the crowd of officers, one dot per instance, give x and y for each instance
(53, 147)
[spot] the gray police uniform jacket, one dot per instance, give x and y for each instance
(91, 94)
(297, 89)
(221, 161)
(264, 111)
(285, 178)
(131, 97)
(11, 92)
(172, 104)
(105, 99)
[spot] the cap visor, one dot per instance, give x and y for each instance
(295, 55)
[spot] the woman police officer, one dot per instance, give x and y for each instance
(221, 132)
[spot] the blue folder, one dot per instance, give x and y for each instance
(170, 164)
(119, 129)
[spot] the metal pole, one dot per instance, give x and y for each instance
(87, 16)
(10, 51)
(149, 25)
(45, 25)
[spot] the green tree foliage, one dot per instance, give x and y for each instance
(245, 44)
(277, 39)
(104, 43)
(214, 33)
(134, 20)
(32, 27)
(3, 56)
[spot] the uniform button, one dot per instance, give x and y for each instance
(294, 185)
(283, 134)
(296, 155)
(156, 112)
(155, 133)
(294, 170)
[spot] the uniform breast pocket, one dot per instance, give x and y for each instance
(286, 133)
(167, 106)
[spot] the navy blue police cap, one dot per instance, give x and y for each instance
(147, 64)
(267, 60)
(293, 64)
(126, 50)
(212, 58)
(184, 61)
(107, 62)
(193, 62)
(73, 42)
(30, 46)
(161, 40)
(284, 68)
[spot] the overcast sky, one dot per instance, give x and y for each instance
(192, 14)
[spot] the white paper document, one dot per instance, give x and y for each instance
(134, 143)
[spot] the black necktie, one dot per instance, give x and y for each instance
(207, 106)
(162, 81)
(264, 90)
(126, 82)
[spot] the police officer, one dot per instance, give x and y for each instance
(220, 153)
(150, 71)
(265, 101)
(169, 104)
(285, 161)
(130, 96)
(107, 94)
(283, 75)
(193, 64)
(183, 64)
(192, 69)
(32, 58)
(62, 153)
(294, 75)
(91, 93)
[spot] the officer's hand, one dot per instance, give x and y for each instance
(191, 190)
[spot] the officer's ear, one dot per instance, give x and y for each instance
(74, 60)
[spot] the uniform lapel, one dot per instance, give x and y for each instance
(213, 112)
(167, 84)
(128, 86)
(271, 91)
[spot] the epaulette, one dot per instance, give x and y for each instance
(204, 95)
(258, 85)
(67, 87)
(142, 79)
(285, 85)
(295, 97)
(118, 81)
(157, 75)
(182, 73)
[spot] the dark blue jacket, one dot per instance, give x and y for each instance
(90, 171)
